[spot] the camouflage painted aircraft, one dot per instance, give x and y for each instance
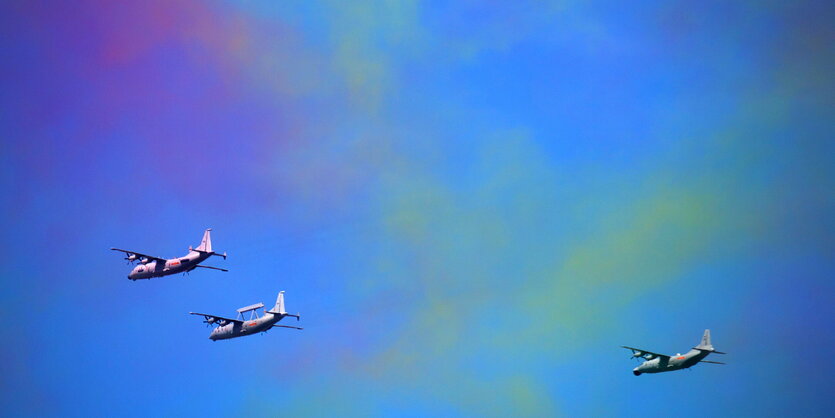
(657, 363)
(232, 328)
(150, 266)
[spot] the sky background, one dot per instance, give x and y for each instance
(472, 205)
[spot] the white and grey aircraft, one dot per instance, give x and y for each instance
(232, 328)
(150, 266)
(657, 363)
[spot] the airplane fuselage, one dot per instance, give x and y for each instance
(678, 362)
(171, 266)
(249, 327)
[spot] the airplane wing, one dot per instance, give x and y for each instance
(216, 319)
(209, 267)
(139, 255)
(649, 355)
(711, 362)
(286, 326)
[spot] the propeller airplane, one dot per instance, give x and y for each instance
(150, 266)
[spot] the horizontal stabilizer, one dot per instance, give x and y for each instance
(298, 316)
(708, 350)
(208, 252)
(286, 326)
(209, 267)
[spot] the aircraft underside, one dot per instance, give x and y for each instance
(225, 334)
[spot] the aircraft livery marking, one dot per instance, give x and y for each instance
(252, 324)
(681, 358)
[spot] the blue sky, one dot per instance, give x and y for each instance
(472, 205)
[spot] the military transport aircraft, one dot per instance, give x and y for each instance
(150, 266)
(232, 328)
(657, 363)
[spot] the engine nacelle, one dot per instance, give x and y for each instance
(211, 320)
(145, 261)
(132, 257)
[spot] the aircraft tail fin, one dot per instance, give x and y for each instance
(206, 243)
(279, 307)
(279, 303)
(705, 343)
